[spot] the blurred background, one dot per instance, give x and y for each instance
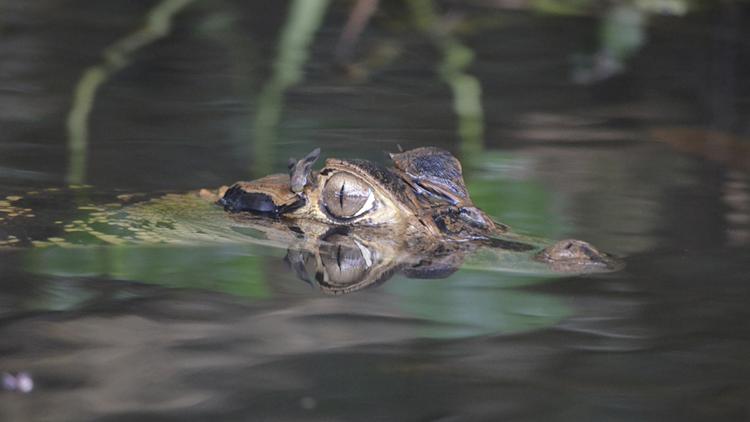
(625, 123)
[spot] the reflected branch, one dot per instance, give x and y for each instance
(115, 57)
(305, 17)
(355, 24)
(466, 88)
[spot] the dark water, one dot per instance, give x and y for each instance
(197, 332)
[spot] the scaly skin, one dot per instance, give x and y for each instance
(416, 218)
(422, 197)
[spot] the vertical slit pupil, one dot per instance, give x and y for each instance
(341, 195)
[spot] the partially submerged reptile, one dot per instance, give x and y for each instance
(351, 224)
(420, 206)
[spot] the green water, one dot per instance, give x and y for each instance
(571, 120)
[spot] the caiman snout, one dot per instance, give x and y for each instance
(270, 195)
(238, 200)
(566, 255)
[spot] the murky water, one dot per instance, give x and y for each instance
(650, 164)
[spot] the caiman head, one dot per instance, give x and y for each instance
(421, 200)
(422, 194)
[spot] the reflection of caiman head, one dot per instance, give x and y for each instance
(422, 203)
(345, 259)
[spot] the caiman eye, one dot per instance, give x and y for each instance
(347, 196)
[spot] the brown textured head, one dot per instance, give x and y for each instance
(424, 192)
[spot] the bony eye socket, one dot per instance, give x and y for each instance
(347, 196)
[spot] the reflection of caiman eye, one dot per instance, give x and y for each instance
(347, 196)
(345, 260)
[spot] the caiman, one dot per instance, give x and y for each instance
(420, 208)
(351, 224)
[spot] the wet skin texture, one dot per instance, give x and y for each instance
(423, 197)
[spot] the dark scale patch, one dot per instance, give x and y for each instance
(390, 181)
(237, 199)
(510, 245)
(456, 222)
(448, 221)
(433, 166)
(336, 230)
(433, 268)
(300, 233)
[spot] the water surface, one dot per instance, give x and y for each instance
(198, 330)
